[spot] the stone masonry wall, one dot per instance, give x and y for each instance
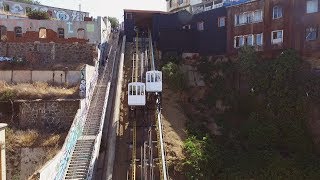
(50, 116)
(50, 53)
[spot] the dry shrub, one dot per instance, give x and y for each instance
(38, 90)
(26, 138)
(51, 141)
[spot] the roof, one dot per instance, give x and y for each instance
(145, 11)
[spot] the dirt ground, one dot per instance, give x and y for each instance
(174, 125)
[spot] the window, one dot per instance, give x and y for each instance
(60, 32)
(80, 33)
(28, 9)
(6, 8)
(188, 26)
(257, 16)
(277, 12)
(277, 37)
(18, 31)
(3, 33)
(311, 33)
(259, 39)
(180, 2)
(248, 17)
(200, 26)
(249, 40)
(312, 6)
(42, 33)
(138, 90)
(170, 3)
(128, 15)
(238, 41)
(221, 21)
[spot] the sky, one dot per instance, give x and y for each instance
(112, 8)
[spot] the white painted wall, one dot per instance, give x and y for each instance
(3, 150)
(5, 76)
(27, 76)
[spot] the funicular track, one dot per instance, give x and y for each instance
(141, 150)
(143, 144)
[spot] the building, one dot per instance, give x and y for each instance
(29, 30)
(222, 27)
(274, 25)
(17, 10)
(198, 6)
(178, 5)
(306, 27)
(182, 32)
(262, 24)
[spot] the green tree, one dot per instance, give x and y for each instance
(114, 22)
(175, 77)
(39, 15)
(28, 1)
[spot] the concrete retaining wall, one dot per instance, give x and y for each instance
(55, 169)
(29, 76)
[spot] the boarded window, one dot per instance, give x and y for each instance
(28, 9)
(6, 7)
(42, 33)
(18, 31)
(81, 33)
(60, 32)
(3, 33)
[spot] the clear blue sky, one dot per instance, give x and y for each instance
(107, 7)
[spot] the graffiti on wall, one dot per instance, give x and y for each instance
(57, 13)
(83, 82)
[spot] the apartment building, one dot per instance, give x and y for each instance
(306, 28)
(273, 25)
(262, 24)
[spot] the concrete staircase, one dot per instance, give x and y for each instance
(81, 157)
(80, 160)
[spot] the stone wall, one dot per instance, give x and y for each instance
(49, 116)
(50, 53)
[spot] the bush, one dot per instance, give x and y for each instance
(264, 133)
(39, 15)
(174, 76)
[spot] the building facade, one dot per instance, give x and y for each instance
(203, 33)
(29, 30)
(262, 24)
(17, 10)
(273, 25)
(178, 5)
